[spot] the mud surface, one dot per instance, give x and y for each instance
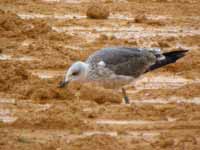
(41, 38)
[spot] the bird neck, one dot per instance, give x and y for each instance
(87, 69)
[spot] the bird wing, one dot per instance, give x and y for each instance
(124, 61)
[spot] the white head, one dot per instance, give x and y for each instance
(77, 72)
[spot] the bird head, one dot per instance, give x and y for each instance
(76, 72)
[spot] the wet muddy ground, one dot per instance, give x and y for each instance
(41, 38)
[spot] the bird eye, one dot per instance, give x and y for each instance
(75, 73)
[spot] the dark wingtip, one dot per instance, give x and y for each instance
(170, 57)
(174, 55)
(180, 51)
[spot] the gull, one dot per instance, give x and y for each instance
(119, 65)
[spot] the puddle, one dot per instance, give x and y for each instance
(157, 82)
(46, 74)
(5, 116)
(74, 47)
(120, 17)
(168, 101)
(7, 119)
(42, 107)
(4, 57)
(33, 16)
(132, 122)
(55, 16)
(51, 0)
(144, 135)
(148, 135)
(7, 101)
(67, 1)
(90, 133)
(22, 58)
(87, 109)
(35, 107)
(77, 1)
(4, 112)
(26, 43)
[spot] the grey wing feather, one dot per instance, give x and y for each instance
(124, 61)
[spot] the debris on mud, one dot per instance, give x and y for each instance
(140, 19)
(144, 19)
(98, 11)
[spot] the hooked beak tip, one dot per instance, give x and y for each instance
(63, 84)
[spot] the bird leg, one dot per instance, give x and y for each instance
(126, 99)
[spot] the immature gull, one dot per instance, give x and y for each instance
(119, 65)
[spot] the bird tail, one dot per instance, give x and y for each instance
(168, 58)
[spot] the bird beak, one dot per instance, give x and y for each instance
(63, 84)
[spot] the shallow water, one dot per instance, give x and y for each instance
(22, 58)
(7, 119)
(4, 112)
(7, 101)
(74, 47)
(67, 1)
(157, 82)
(133, 122)
(56, 16)
(90, 133)
(47, 74)
(152, 135)
(147, 135)
(168, 101)
(4, 57)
